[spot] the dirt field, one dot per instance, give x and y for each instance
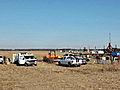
(53, 77)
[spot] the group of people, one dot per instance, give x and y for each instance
(106, 59)
(7, 60)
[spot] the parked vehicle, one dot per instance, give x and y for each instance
(84, 61)
(24, 59)
(2, 59)
(70, 61)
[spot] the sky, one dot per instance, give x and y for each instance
(59, 23)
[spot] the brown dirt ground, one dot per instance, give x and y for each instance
(53, 77)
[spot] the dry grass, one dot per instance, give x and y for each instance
(53, 77)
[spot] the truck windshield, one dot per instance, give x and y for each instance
(71, 58)
(29, 57)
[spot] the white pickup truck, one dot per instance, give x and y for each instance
(24, 59)
(70, 61)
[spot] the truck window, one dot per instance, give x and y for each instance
(29, 57)
(71, 58)
(0, 56)
(65, 55)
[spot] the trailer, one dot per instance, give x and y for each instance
(24, 59)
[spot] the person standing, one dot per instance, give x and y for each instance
(98, 59)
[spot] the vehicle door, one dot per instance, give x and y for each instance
(80, 60)
(62, 61)
(68, 59)
(21, 60)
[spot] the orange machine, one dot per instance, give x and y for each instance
(51, 57)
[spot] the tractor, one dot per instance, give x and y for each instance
(51, 57)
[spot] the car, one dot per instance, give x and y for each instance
(70, 61)
(26, 59)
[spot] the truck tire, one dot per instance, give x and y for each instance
(69, 64)
(2, 62)
(78, 65)
(26, 64)
(35, 64)
(59, 63)
(17, 63)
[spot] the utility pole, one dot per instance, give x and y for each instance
(109, 37)
(110, 48)
(115, 48)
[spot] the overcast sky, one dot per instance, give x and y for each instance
(59, 23)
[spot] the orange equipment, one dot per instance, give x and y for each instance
(51, 57)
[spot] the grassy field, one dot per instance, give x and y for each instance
(54, 77)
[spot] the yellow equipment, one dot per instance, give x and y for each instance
(51, 57)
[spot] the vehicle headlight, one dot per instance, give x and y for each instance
(27, 61)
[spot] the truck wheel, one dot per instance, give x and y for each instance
(69, 64)
(2, 62)
(35, 64)
(26, 64)
(78, 65)
(17, 64)
(59, 63)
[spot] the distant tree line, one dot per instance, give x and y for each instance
(49, 49)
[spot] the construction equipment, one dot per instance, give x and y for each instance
(51, 57)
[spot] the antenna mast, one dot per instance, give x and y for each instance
(110, 38)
